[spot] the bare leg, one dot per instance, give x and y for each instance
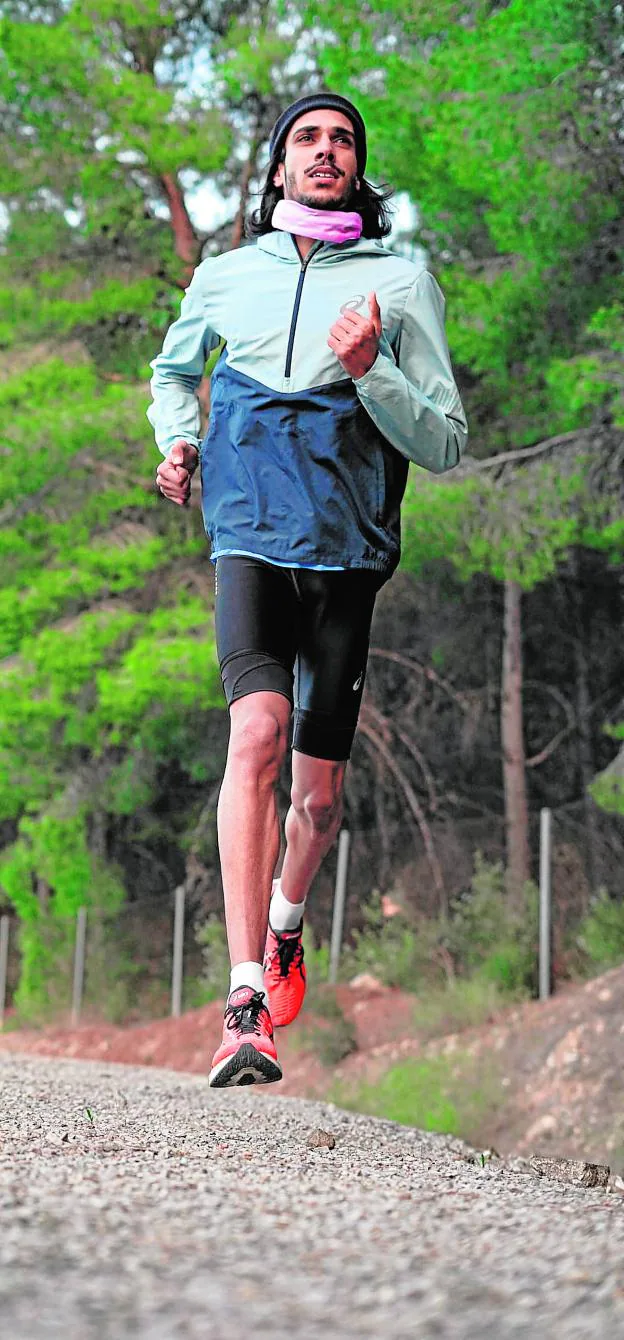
(312, 822)
(248, 821)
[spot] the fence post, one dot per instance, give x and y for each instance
(544, 905)
(339, 903)
(4, 960)
(178, 953)
(79, 963)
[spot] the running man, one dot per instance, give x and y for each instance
(334, 376)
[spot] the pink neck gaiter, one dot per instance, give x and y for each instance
(326, 225)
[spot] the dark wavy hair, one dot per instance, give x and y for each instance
(370, 202)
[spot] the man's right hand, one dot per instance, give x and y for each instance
(174, 474)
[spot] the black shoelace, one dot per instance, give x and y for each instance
(246, 1016)
(289, 953)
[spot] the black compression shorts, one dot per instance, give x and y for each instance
(301, 633)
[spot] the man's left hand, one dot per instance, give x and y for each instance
(355, 339)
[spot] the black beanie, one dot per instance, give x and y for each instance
(312, 103)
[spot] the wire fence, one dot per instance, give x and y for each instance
(136, 963)
(142, 962)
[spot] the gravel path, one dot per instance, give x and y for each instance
(174, 1212)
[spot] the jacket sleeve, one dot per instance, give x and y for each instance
(414, 401)
(179, 368)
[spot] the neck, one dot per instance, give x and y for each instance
(307, 225)
(304, 245)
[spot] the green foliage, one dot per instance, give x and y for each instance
(316, 957)
(113, 974)
(197, 992)
(608, 788)
(39, 315)
(130, 785)
(33, 541)
(211, 936)
(101, 422)
(46, 689)
(465, 1002)
(52, 853)
(486, 936)
(454, 1096)
(113, 678)
(55, 850)
(509, 967)
(92, 572)
(608, 792)
(601, 933)
(482, 144)
(332, 1036)
(152, 697)
(414, 1093)
(520, 531)
(109, 667)
(115, 111)
(398, 954)
(518, 225)
(493, 935)
(332, 1042)
(46, 962)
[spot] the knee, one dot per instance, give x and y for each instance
(258, 739)
(321, 807)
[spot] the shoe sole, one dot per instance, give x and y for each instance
(246, 1066)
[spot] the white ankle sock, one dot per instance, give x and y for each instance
(247, 974)
(283, 915)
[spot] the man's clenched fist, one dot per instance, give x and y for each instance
(355, 339)
(174, 474)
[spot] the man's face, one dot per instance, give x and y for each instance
(320, 167)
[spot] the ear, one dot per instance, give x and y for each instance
(357, 183)
(278, 177)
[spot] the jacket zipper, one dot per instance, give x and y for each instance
(293, 323)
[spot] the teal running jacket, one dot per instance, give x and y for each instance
(302, 465)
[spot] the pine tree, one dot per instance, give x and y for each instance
(504, 125)
(114, 115)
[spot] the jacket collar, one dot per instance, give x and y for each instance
(283, 246)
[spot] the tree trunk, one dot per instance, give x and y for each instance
(244, 184)
(186, 241)
(587, 768)
(512, 740)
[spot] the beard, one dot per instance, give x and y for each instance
(348, 199)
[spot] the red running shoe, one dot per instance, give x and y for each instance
(284, 974)
(247, 1054)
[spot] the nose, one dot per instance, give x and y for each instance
(325, 148)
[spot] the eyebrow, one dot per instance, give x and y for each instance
(342, 130)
